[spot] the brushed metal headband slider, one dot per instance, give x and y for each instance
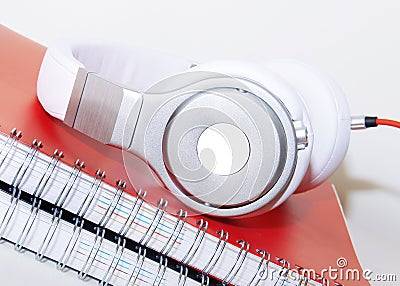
(94, 106)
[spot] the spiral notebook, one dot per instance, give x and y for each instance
(102, 232)
(75, 217)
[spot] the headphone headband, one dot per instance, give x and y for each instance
(75, 78)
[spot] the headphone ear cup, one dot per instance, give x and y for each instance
(329, 114)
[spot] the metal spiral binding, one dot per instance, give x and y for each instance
(37, 194)
(325, 282)
(121, 238)
(57, 214)
(180, 222)
(80, 218)
(35, 145)
(262, 269)
(138, 265)
(198, 239)
(10, 211)
(16, 182)
(283, 273)
(55, 158)
(241, 256)
(100, 230)
(304, 275)
(163, 258)
(219, 248)
(162, 266)
(201, 231)
(162, 205)
(182, 275)
(119, 250)
(73, 175)
(82, 274)
(10, 141)
(205, 280)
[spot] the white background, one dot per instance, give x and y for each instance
(357, 42)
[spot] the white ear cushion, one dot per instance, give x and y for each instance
(329, 114)
(56, 79)
(131, 67)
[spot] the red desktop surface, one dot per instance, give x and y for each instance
(308, 229)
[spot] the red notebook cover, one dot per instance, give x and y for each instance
(308, 230)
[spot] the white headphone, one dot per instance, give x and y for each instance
(292, 122)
